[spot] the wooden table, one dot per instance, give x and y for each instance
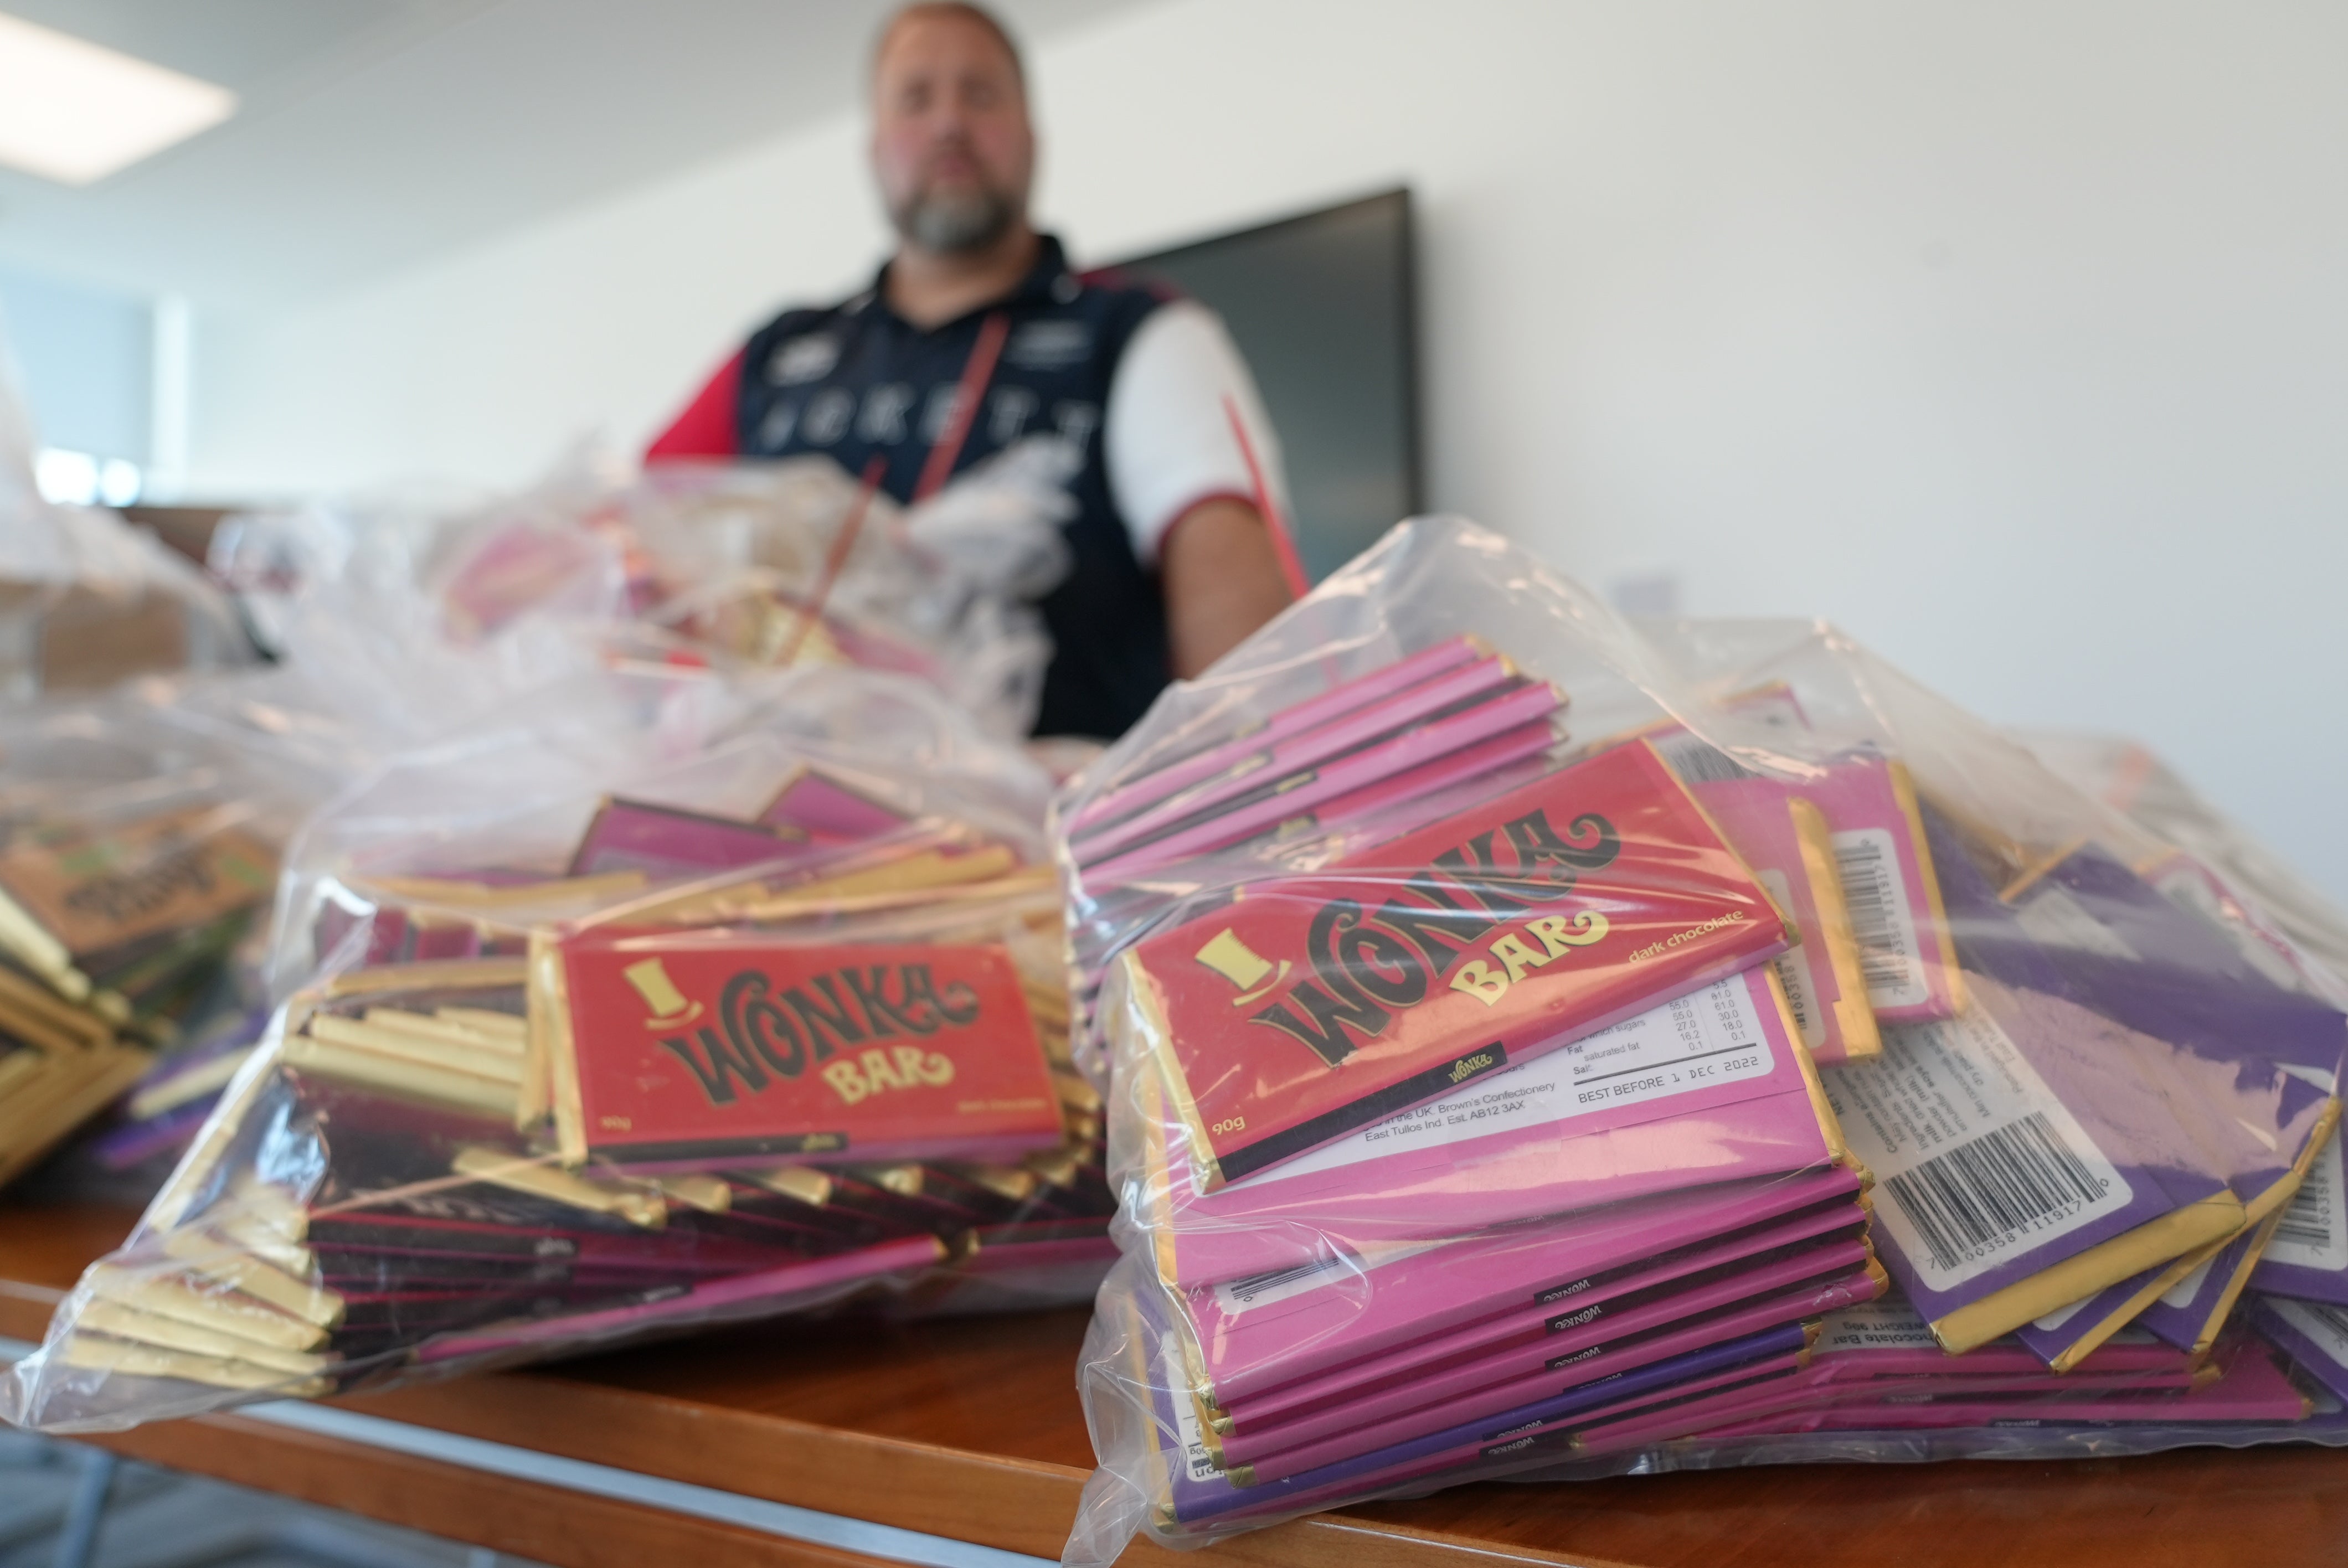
(970, 1431)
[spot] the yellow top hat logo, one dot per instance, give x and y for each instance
(669, 1005)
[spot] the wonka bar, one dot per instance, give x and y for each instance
(1201, 1492)
(666, 841)
(2085, 925)
(2249, 1387)
(1461, 1362)
(1278, 767)
(1336, 1440)
(2308, 1256)
(1313, 1005)
(2313, 1334)
(1784, 838)
(1275, 1330)
(1253, 749)
(1510, 708)
(694, 1050)
(2115, 1148)
(1704, 1092)
(76, 902)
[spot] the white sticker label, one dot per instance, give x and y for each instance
(1794, 970)
(2312, 1234)
(2055, 919)
(1976, 1159)
(2062, 1314)
(2180, 1295)
(1697, 760)
(1891, 949)
(1700, 1040)
(1242, 1296)
(1877, 1326)
(2325, 1323)
(1188, 1433)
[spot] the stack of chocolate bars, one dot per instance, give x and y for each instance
(1488, 1096)
(114, 933)
(708, 1068)
(1461, 1123)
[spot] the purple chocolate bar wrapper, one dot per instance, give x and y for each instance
(2130, 1119)
(2313, 1334)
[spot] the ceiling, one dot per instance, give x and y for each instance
(374, 134)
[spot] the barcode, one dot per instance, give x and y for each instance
(1699, 762)
(1868, 889)
(2304, 1222)
(1987, 1188)
(1247, 1289)
(2333, 1317)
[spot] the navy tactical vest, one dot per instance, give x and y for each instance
(856, 379)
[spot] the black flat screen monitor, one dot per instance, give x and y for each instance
(1320, 305)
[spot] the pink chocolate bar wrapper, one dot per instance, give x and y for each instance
(2250, 1388)
(1422, 743)
(1573, 1144)
(1889, 880)
(828, 812)
(1483, 1452)
(1290, 758)
(1785, 1306)
(1384, 682)
(630, 836)
(1276, 1422)
(1257, 1335)
(1631, 1300)
(1815, 1388)
(1785, 839)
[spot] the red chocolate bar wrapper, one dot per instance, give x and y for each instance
(689, 1050)
(1315, 1005)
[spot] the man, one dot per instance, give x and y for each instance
(1174, 563)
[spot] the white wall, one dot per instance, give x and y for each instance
(2010, 334)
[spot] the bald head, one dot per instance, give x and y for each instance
(953, 149)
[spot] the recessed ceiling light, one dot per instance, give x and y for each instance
(73, 112)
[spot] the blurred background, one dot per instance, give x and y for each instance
(2009, 336)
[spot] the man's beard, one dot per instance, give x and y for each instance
(954, 223)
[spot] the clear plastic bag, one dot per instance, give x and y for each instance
(1529, 1035)
(692, 1001)
(85, 600)
(742, 566)
(138, 858)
